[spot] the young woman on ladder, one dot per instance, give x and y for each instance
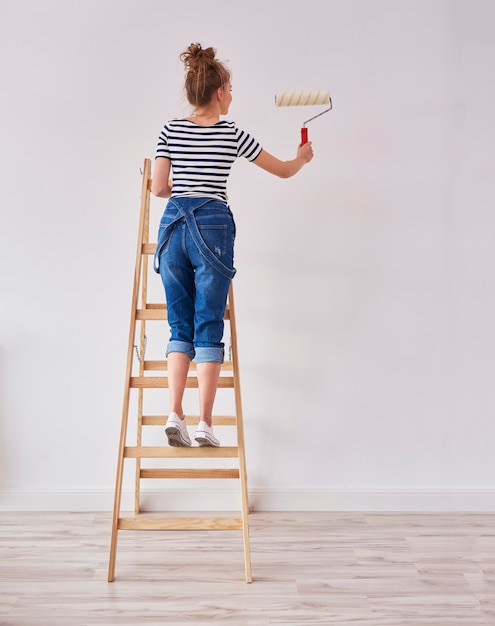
(195, 249)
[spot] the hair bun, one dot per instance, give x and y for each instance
(196, 54)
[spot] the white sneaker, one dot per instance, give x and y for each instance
(204, 435)
(176, 431)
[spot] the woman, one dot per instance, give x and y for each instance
(195, 249)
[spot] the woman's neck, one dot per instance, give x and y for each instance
(205, 118)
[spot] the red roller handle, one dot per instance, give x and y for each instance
(304, 135)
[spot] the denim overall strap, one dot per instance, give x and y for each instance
(188, 215)
(163, 237)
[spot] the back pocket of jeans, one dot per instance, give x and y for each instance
(215, 238)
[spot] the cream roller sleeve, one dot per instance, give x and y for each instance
(301, 98)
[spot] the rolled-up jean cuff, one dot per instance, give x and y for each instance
(209, 355)
(181, 346)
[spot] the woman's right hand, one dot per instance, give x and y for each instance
(305, 151)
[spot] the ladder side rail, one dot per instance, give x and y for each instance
(130, 347)
(240, 437)
(142, 340)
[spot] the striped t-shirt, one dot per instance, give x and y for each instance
(202, 156)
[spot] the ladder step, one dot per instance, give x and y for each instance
(148, 248)
(192, 420)
(161, 382)
(152, 314)
(189, 473)
(184, 523)
(168, 452)
(159, 312)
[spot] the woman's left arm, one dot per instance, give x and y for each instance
(161, 185)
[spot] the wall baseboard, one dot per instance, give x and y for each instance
(210, 499)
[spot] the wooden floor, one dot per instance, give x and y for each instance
(308, 568)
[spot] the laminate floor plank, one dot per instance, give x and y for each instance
(372, 569)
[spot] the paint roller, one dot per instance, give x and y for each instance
(304, 98)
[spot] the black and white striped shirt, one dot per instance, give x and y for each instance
(202, 156)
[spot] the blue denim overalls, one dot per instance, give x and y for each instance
(195, 259)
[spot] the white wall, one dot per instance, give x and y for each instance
(365, 291)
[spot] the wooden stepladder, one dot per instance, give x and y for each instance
(141, 376)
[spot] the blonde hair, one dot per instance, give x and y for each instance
(204, 74)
